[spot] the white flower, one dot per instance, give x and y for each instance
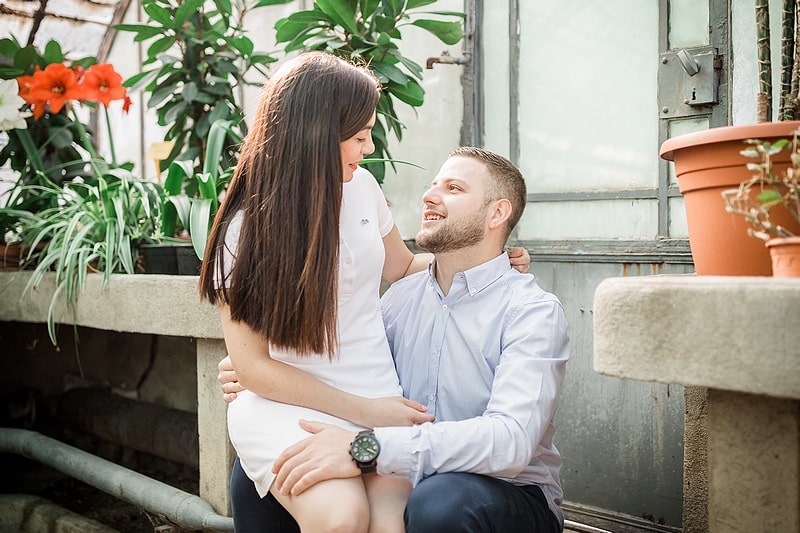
(10, 102)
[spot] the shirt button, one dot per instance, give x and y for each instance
(473, 291)
(444, 306)
(431, 397)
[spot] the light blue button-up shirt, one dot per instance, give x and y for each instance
(487, 360)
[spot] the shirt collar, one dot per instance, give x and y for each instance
(476, 278)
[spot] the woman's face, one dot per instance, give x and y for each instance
(355, 148)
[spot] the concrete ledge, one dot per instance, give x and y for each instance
(139, 303)
(730, 333)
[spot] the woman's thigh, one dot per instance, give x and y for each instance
(332, 505)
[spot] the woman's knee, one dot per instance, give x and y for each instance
(349, 517)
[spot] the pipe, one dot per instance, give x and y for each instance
(137, 425)
(184, 509)
(447, 59)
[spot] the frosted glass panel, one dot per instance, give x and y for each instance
(587, 98)
(496, 78)
(688, 24)
(679, 127)
(677, 219)
(602, 219)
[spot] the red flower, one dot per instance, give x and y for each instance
(56, 85)
(37, 106)
(103, 84)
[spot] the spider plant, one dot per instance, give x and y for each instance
(91, 228)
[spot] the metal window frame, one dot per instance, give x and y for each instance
(662, 249)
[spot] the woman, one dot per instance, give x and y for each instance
(294, 262)
(276, 243)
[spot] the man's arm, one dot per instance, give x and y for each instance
(516, 421)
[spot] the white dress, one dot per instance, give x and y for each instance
(261, 429)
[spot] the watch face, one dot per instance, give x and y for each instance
(365, 448)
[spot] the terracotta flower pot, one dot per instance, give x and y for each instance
(707, 163)
(785, 254)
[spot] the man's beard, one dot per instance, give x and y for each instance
(450, 236)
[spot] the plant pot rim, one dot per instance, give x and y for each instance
(778, 241)
(727, 133)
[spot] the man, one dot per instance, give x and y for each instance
(484, 348)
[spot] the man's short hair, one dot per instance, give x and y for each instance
(505, 181)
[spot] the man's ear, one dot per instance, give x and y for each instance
(500, 211)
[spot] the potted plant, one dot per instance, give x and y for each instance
(769, 202)
(708, 163)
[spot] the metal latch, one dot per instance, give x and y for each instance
(688, 81)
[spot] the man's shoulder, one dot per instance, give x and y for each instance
(525, 289)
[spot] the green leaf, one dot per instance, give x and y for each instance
(53, 53)
(340, 13)
(143, 31)
(312, 16)
(411, 93)
(389, 72)
(770, 198)
(286, 30)
(189, 92)
(262, 3)
(182, 206)
(158, 14)
(161, 45)
(199, 219)
(178, 172)
(206, 186)
(368, 7)
(243, 45)
(393, 7)
(186, 10)
(216, 143)
(413, 4)
(447, 32)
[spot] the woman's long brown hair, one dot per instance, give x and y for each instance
(288, 183)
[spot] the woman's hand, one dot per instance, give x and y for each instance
(227, 379)
(392, 411)
(520, 259)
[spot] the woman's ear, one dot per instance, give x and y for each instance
(500, 211)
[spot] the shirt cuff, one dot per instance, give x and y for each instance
(396, 451)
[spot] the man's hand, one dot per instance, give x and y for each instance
(519, 258)
(324, 455)
(228, 380)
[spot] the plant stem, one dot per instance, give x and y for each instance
(764, 103)
(787, 104)
(85, 142)
(110, 138)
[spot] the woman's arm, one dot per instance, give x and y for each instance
(281, 382)
(400, 261)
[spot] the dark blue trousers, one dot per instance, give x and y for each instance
(443, 503)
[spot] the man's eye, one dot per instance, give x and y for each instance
(455, 188)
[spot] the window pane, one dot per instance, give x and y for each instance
(587, 96)
(688, 24)
(677, 219)
(599, 219)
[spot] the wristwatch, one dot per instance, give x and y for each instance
(364, 450)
